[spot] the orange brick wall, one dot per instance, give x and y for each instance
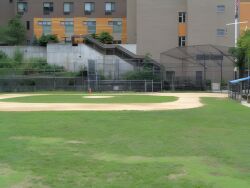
(244, 15)
(79, 27)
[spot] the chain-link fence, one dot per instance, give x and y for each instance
(198, 67)
(26, 84)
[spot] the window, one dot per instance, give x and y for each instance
(220, 8)
(117, 26)
(109, 7)
(47, 8)
(182, 41)
(221, 32)
(46, 27)
(69, 28)
(89, 8)
(28, 25)
(68, 8)
(182, 17)
(22, 7)
(91, 25)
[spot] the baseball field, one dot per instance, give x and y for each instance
(168, 140)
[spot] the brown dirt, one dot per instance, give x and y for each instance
(185, 101)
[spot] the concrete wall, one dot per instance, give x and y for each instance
(132, 21)
(28, 51)
(157, 25)
(75, 58)
(204, 20)
(6, 11)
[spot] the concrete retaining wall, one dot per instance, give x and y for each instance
(28, 51)
(74, 58)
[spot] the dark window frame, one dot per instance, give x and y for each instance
(92, 4)
(182, 17)
(182, 41)
(113, 8)
(25, 10)
(50, 8)
(71, 8)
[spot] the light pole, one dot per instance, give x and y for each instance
(236, 35)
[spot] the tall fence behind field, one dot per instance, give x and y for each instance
(23, 84)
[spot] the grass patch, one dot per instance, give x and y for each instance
(199, 148)
(68, 98)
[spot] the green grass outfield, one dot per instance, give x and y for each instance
(79, 98)
(208, 147)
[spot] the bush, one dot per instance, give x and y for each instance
(45, 39)
(18, 56)
(141, 75)
(105, 37)
(3, 55)
(5, 62)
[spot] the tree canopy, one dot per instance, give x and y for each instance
(242, 52)
(14, 33)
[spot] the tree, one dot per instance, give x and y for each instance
(105, 37)
(14, 33)
(242, 52)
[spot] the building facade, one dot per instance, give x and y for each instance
(165, 24)
(67, 18)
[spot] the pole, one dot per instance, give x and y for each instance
(152, 85)
(236, 31)
(221, 74)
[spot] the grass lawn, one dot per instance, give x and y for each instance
(207, 147)
(69, 98)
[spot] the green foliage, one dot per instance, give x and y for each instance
(14, 33)
(45, 39)
(105, 37)
(140, 75)
(18, 56)
(3, 55)
(40, 66)
(94, 35)
(242, 52)
(145, 74)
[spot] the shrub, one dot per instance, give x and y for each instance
(105, 37)
(3, 55)
(45, 39)
(18, 56)
(141, 75)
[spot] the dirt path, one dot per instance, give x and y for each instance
(185, 101)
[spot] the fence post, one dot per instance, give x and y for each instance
(54, 78)
(152, 86)
(161, 86)
(145, 86)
